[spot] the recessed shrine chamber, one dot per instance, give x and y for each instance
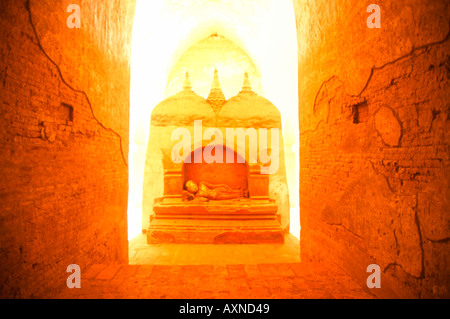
(215, 168)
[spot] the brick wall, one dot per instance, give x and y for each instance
(374, 116)
(64, 184)
(374, 181)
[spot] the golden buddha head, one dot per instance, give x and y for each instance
(191, 186)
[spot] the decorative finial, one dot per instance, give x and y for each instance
(246, 86)
(216, 98)
(187, 83)
(216, 82)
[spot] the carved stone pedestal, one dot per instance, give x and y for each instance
(240, 221)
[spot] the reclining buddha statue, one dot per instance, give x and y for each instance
(204, 191)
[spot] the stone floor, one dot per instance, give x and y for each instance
(140, 253)
(215, 271)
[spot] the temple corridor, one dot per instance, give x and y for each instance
(260, 281)
(225, 149)
(183, 271)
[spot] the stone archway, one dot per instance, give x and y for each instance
(252, 37)
(232, 174)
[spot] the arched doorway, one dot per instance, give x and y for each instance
(233, 174)
(155, 54)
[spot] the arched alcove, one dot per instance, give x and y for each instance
(164, 30)
(233, 174)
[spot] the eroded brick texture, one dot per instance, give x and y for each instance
(374, 182)
(375, 174)
(237, 281)
(63, 187)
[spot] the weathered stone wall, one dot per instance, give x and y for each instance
(374, 114)
(64, 185)
(374, 132)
